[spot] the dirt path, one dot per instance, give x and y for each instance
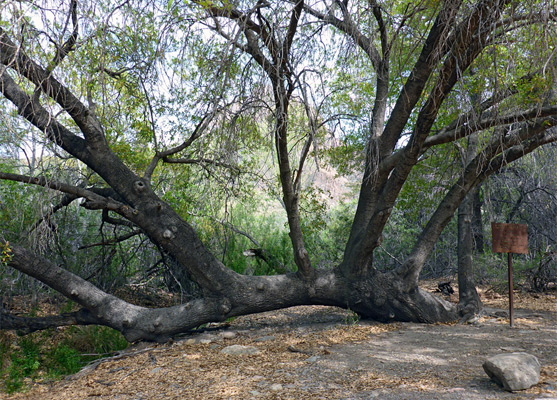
(320, 353)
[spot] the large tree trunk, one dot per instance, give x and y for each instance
(380, 296)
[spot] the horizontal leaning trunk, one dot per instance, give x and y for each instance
(379, 296)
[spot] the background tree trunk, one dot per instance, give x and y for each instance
(468, 298)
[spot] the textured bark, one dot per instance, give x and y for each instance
(379, 296)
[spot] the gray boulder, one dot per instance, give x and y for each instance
(513, 371)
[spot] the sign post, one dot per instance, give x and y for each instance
(510, 238)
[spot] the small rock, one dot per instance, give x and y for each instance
(513, 371)
(473, 320)
(312, 359)
(191, 341)
(275, 387)
(265, 338)
(239, 350)
(155, 370)
(229, 335)
(254, 393)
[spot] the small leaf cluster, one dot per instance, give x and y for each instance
(5, 254)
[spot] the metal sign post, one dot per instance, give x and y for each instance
(510, 238)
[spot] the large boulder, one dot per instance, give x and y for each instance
(513, 371)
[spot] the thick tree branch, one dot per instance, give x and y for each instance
(469, 127)
(26, 325)
(460, 123)
(13, 57)
(95, 201)
(292, 28)
(414, 85)
(32, 111)
(377, 13)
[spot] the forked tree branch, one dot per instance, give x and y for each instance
(348, 26)
(197, 132)
(69, 45)
(66, 201)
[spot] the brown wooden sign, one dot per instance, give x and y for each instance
(509, 238)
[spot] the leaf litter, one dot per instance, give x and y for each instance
(318, 352)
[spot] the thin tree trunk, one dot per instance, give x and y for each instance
(469, 300)
(477, 222)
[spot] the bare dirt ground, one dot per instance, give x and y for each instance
(324, 353)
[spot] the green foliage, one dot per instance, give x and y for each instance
(98, 340)
(5, 345)
(63, 360)
(24, 363)
(5, 253)
(351, 318)
(268, 230)
(53, 355)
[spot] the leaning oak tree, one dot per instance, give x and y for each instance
(418, 56)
